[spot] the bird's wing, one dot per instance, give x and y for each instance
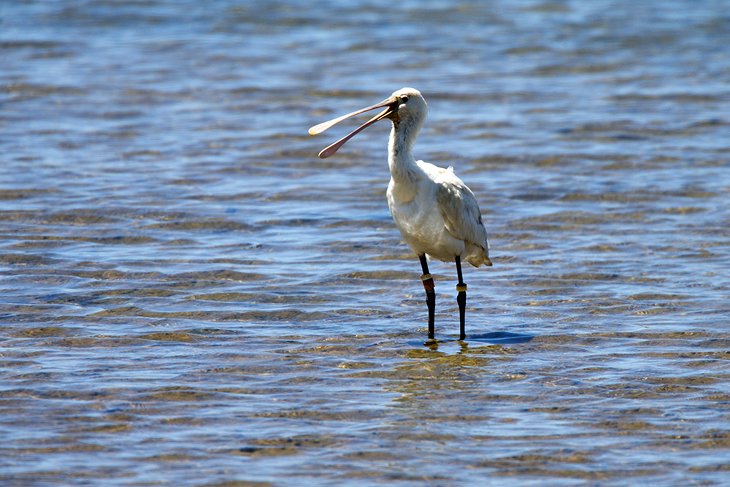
(460, 209)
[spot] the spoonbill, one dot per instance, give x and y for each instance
(436, 213)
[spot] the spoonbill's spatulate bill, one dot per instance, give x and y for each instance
(436, 213)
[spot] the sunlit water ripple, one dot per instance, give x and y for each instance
(190, 297)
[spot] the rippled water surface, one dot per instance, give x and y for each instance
(189, 296)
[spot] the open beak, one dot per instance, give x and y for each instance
(390, 105)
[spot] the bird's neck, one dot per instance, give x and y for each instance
(401, 162)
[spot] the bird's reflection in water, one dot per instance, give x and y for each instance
(492, 338)
(439, 372)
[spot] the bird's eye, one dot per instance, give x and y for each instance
(404, 99)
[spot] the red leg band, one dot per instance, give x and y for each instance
(428, 283)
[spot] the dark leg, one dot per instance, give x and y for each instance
(428, 285)
(461, 299)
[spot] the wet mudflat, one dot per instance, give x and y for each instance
(189, 297)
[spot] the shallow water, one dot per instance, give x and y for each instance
(190, 297)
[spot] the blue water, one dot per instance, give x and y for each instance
(189, 296)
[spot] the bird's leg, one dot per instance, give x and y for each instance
(461, 299)
(428, 285)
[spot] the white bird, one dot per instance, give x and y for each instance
(436, 213)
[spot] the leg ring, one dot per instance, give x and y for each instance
(428, 283)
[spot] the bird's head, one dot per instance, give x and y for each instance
(411, 106)
(405, 106)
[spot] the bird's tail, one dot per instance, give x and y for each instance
(479, 257)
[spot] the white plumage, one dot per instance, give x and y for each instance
(441, 218)
(436, 213)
